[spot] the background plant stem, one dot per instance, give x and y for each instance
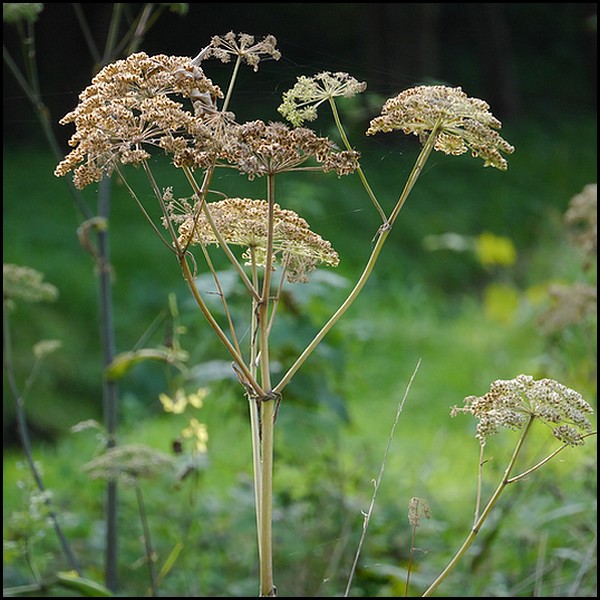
(484, 515)
(26, 441)
(110, 389)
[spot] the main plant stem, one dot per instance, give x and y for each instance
(267, 416)
(484, 515)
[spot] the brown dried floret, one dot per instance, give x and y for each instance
(241, 45)
(462, 123)
(129, 108)
(512, 403)
(276, 148)
(244, 222)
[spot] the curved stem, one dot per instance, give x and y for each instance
(222, 243)
(362, 176)
(545, 460)
(382, 235)
(238, 360)
(484, 515)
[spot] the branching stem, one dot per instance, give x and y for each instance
(382, 235)
(484, 515)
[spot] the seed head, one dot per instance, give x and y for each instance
(27, 284)
(244, 222)
(130, 107)
(463, 123)
(129, 462)
(512, 403)
(581, 219)
(300, 103)
(276, 148)
(242, 45)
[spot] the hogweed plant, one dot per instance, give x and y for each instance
(144, 106)
(518, 404)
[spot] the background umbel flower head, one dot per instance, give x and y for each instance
(462, 123)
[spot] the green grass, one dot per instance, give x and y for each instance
(335, 421)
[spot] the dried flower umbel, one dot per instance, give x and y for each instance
(27, 284)
(463, 123)
(581, 219)
(513, 403)
(129, 108)
(245, 222)
(268, 149)
(242, 45)
(129, 461)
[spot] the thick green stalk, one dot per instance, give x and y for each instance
(484, 515)
(253, 407)
(382, 235)
(266, 499)
(267, 415)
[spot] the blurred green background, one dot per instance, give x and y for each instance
(440, 299)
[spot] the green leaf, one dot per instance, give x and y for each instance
(85, 587)
(123, 362)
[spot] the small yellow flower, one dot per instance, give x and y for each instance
(196, 400)
(182, 400)
(495, 250)
(176, 405)
(197, 432)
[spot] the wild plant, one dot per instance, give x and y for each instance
(142, 108)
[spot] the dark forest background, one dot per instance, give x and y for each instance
(523, 58)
